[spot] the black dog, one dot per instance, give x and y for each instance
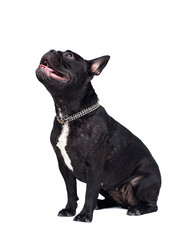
(91, 146)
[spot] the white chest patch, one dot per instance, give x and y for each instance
(62, 143)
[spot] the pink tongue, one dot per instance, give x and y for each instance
(51, 73)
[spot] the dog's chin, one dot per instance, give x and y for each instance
(49, 73)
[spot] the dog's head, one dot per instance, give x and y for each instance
(58, 70)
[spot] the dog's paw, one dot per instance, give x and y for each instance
(142, 209)
(82, 218)
(66, 213)
(134, 212)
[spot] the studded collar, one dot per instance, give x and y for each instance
(63, 120)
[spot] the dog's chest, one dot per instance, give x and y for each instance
(62, 143)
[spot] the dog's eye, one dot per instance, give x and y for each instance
(68, 55)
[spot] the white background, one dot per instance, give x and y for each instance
(133, 88)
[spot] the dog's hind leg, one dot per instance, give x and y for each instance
(146, 192)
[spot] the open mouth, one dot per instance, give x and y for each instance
(52, 73)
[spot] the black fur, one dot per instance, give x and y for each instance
(104, 154)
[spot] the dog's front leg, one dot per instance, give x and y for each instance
(70, 182)
(92, 191)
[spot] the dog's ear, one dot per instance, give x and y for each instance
(96, 65)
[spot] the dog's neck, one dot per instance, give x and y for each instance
(68, 103)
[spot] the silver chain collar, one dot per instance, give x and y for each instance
(80, 114)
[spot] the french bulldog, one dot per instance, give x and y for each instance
(93, 147)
